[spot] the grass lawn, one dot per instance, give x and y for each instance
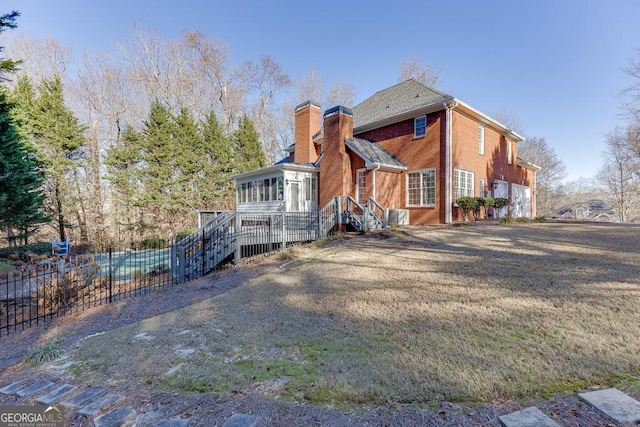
(417, 315)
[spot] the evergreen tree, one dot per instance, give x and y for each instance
(218, 165)
(7, 65)
(21, 197)
(150, 172)
(57, 139)
(249, 152)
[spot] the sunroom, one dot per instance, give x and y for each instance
(283, 187)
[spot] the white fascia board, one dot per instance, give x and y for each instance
(489, 121)
(275, 168)
(528, 165)
(386, 168)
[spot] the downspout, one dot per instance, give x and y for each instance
(448, 167)
(374, 180)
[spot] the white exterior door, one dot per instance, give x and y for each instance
(520, 201)
(501, 190)
(294, 194)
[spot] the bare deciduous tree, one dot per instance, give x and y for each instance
(413, 68)
(341, 94)
(548, 179)
(631, 103)
(43, 58)
(620, 173)
(267, 79)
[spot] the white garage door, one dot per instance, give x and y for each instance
(501, 190)
(520, 201)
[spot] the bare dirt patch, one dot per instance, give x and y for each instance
(420, 325)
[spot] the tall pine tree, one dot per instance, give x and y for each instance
(21, 197)
(7, 65)
(57, 137)
(249, 152)
(217, 191)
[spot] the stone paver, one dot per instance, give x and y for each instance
(173, 423)
(615, 404)
(12, 388)
(56, 394)
(241, 420)
(102, 404)
(116, 417)
(82, 397)
(529, 417)
(39, 386)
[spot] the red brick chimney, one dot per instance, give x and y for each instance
(335, 167)
(308, 115)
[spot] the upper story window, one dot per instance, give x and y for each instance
(481, 139)
(420, 126)
(421, 188)
(462, 184)
(509, 152)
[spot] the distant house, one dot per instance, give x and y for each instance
(591, 210)
(408, 147)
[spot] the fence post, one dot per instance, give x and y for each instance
(174, 266)
(110, 274)
(284, 230)
(270, 236)
(204, 258)
(238, 227)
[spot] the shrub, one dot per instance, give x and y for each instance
(540, 218)
(522, 219)
(152, 243)
(499, 203)
(288, 254)
(46, 352)
(39, 248)
(483, 203)
(184, 233)
(467, 204)
(506, 220)
(158, 269)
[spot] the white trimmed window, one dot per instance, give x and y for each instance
(420, 126)
(481, 139)
(361, 186)
(509, 152)
(482, 186)
(421, 188)
(462, 184)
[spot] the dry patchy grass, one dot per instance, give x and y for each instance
(468, 313)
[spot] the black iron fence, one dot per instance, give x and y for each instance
(45, 287)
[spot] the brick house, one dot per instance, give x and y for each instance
(409, 147)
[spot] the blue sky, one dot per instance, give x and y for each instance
(556, 64)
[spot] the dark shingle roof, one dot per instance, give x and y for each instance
(406, 96)
(373, 153)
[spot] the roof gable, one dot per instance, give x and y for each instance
(374, 154)
(403, 97)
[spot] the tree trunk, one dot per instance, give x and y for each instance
(58, 202)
